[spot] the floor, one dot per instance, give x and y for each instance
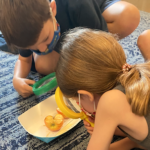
(143, 5)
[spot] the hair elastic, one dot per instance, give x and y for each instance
(126, 68)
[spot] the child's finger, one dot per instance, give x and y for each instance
(29, 82)
(86, 123)
(91, 119)
(89, 128)
(28, 89)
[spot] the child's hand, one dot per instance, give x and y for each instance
(22, 86)
(88, 126)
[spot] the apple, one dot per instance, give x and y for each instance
(54, 123)
(60, 112)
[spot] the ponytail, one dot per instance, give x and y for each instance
(137, 87)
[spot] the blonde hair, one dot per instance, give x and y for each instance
(137, 87)
(92, 60)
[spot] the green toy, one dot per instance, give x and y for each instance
(44, 85)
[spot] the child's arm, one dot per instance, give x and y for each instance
(21, 71)
(109, 114)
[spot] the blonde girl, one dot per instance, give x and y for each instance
(92, 69)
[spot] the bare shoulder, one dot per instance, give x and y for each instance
(114, 102)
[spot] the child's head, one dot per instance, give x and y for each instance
(92, 61)
(23, 22)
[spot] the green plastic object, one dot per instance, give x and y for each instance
(44, 85)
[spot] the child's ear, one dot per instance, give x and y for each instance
(53, 7)
(87, 94)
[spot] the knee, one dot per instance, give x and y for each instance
(144, 40)
(130, 18)
(39, 66)
(46, 64)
